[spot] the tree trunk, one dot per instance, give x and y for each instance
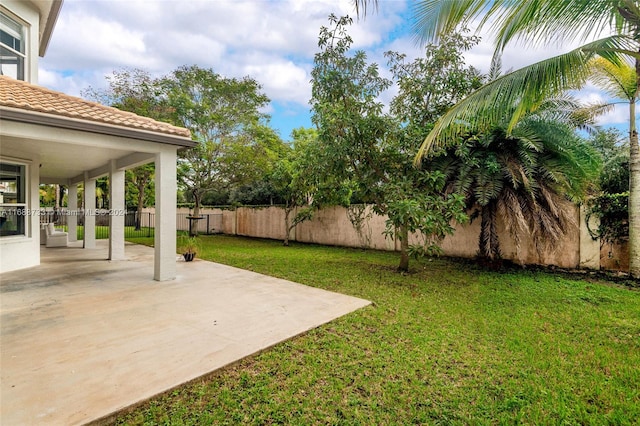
(60, 197)
(287, 227)
(404, 249)
(489, 242)
(140, 205)
(634, 191)
(193, 225)
(484, 243)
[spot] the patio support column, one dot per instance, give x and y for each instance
(116, 215)
(165, 219)
(72, 216)
(89, 212)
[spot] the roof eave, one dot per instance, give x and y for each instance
(52, 18)
(43, 119)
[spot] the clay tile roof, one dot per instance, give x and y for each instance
(26, 96)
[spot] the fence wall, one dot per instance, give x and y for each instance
(332, 226)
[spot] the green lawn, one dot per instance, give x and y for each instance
(448, 343)
(102, 232)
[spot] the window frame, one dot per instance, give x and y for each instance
(20, 209)
(22, 35)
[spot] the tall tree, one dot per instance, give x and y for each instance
(537, 22)
(134, 90)
(140, 187)
(221, 114)
(611, 204)
(614, 151)
(366, 150)
(522, 177)
(294, 181)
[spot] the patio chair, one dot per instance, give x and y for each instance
(56, 238)
(43, 233)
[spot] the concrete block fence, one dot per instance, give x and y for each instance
(332, 226)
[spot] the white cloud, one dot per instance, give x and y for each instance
(618, 116)
(89, 42)
(273, 41)
(283, 80)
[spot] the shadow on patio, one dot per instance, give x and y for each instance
(82, 337)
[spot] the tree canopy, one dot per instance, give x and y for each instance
(522, 91)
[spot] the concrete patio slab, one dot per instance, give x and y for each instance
(82, 337)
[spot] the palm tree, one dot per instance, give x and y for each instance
(538, 22)
(618, 80)
(522, 177)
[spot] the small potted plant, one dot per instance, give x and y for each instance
(189, 249)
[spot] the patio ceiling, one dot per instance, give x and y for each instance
(60, 162)
(70, 136)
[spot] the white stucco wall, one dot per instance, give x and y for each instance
(25, 13)
(24, 251)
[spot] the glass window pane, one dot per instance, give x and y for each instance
(12, 184)
(11, 41)
(12, 48)
(11, 64)
(12, 221)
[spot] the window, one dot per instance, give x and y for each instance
(12, 48)
(13, 199)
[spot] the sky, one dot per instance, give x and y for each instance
(272, 41)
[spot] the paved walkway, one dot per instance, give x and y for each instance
(82, 337)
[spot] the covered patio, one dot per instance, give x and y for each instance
(49, 137)
(82, 338)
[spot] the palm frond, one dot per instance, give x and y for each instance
(615, 49)
(544, 22)
(361, 6)
(434, 18)
(536, 22)
(616, 79)
(511, 212)
(526, 89)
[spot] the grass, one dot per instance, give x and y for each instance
(448, 343)
(102, 232)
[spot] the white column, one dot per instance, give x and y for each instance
(165, 219)
(72, 207)
(89, 212)
(116, 218)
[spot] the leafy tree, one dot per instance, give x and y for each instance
(134, 90)
(249, 161)
(523, 177)
(47, 195)
(367, 151)
(428, 86)
(140, 189)
(102, 193)
(611, 204)
(225, 118)
(614, 151)
(540, 22)
(292, 181)
(260, 192)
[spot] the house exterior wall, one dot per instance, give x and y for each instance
(37, 145)
(24, 251)
(27, 14)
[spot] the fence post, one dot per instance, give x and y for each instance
(208, 227)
